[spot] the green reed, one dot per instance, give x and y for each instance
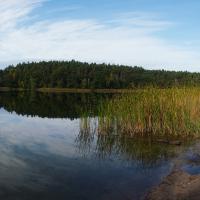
(155, 112)
(145, 151)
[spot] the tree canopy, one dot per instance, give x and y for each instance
(74, 74)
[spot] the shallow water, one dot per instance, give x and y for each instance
(47, 153)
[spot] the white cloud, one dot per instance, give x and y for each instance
(128, 39)
(12, 11)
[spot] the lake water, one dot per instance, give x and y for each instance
(46, 152)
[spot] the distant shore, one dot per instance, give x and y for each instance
(68, 90)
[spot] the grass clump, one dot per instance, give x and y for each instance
(156, 112)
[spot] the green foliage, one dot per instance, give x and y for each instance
(154, 112)
(73, 74)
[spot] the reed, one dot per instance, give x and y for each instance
(155, 112)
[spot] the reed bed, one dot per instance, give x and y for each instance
(155, 112)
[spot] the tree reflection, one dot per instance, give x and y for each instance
(51, 105)
(94, 135)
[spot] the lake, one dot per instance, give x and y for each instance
(50, 148)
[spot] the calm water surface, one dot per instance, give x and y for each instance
(47, 152)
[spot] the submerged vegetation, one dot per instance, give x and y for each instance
(153, 112)
(143, 150)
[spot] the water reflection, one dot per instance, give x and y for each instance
(48, 152)
(146, 152)
(52, 105)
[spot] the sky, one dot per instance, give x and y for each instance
(154, 34)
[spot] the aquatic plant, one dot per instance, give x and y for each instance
(145, 151)
(154, 112)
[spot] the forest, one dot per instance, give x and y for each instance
(74, 74)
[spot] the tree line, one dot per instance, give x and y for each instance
(74, 74)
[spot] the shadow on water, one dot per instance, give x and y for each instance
(48, 150)
(52, 105)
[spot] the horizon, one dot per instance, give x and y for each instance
(148, 33)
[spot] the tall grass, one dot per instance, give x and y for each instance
(156, 112)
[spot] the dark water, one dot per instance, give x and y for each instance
(47, 152)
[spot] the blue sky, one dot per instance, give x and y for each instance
(154, 34)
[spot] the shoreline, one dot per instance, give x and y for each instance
(68, 90)
(177, 185)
